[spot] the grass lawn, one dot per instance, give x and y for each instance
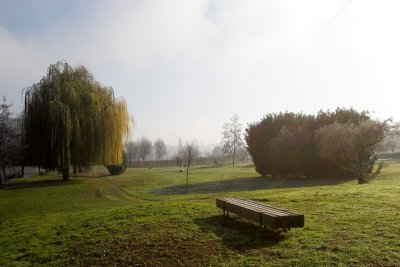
(145, 218)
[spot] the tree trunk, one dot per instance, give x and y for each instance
(65, 173)
(187, 179)
(234, 152)
(74, 169)
(22, 171)
(4, 174)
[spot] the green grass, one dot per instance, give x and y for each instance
(144, 218)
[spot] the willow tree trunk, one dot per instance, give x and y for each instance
(65, 173)
(4, 178)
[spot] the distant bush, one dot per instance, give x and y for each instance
(116, 169)
(340, 143)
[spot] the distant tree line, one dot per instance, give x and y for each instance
(143, 149)
(331, 144)
(391, 143)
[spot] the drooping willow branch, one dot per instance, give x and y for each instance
(72, 120)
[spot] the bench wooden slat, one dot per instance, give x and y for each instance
(270, 217)
(261, 213)
(261, 207)
(265, 205)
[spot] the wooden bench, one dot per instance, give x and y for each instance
(265, 215)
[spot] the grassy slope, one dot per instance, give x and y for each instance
(144, 218)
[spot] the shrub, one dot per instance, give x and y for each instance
(116, 169)
(340, 143)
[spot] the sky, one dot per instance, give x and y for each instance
(186, 67)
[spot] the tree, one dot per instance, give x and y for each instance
(11, 148)
(217, 151)
(179, 156)
(342, 143)
(132, 149)
(160, 149)
(232, 140)
(145, 148)
(190, 152)
(353, 147)
(71, 119)
(6, 137)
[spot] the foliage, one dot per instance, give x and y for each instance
(116, 169)
(232, 141)
(73, 120)
(352, 147)
(339, 143)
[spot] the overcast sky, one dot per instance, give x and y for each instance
(185, 67)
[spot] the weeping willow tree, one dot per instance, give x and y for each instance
(71, 120)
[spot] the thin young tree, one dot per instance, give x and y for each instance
(71, 119)
(232, 140)
(190, 152)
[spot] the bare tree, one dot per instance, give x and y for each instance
(11, 148)
(190, 152)
(145, 148)
(160, 149)
(232, 140)
(132, 149)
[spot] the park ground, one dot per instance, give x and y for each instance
(145, 218)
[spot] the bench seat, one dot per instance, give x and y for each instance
(265, 215)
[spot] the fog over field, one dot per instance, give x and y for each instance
(185, 67)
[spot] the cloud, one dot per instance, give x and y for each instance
(187, 62)
(19, 61)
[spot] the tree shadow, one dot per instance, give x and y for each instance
(239, 234)
(249, 183)
(20, 183)
(15, 185)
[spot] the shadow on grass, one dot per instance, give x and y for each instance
(225, 165)
(15, 184)
(239, 234)
(248, 183)
(20, 183)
